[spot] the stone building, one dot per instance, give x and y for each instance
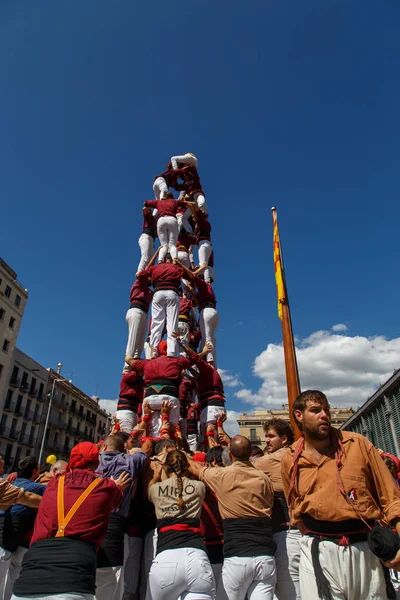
(251, 424)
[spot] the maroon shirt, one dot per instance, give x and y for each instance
(171, 177)
(130, 391)
(210, 386)
(164, 367)
(140, 294)
(203, 227)
(186, 388)
(185, 306)
(90, 522)
(150, 226)
(165, 276)
(186, 239)
(165, 207)
(193, 184)
(205, 295)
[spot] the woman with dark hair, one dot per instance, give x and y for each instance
(71, 523)
(181, 566)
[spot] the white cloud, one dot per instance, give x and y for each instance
(229, 380)
(109, 405)
(347, 369)
(231, 426)
(340, 327)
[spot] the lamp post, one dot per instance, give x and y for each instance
(59, 367)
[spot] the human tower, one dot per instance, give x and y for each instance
(175, 391)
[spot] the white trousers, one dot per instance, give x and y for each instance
(205, 250)
(209, 414)
(132, 564)
(193, 441)
(137, 329)
(183, 257)
(165, 312)
(181, 573)
(167, 231)
(10, 568)
(185, 159)
(160, 187)
(201, 202)
(66, 596)
(183, 220)
(208, 323)
(147, 350)
(109, 583)
(287, 558)
(146, 244)
(184, 332)
(154, 425)
(354, 573)
(149, 553)
(251, 576)
(127, 420)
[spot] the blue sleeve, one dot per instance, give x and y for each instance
(138, 461)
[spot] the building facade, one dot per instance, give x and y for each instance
(252, 424)
(379, 417)
(22, 408)
(13, 297)
(74, 417)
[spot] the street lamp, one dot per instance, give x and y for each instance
(59, 366)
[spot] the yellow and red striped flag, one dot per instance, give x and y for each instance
(280, 284)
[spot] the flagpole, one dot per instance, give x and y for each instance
(289, 350)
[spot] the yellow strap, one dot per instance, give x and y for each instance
(62, 519)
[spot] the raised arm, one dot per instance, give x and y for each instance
(188, 273)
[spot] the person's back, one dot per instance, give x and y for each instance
(245, 498)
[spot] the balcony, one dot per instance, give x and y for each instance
(32, 392)
(255, 439)
(91, 420)
(58, 423)
(9, 433)
(10, 407)
(24, 385)
(26, 439)
(36, 417)
(28, 415)
(14, 382)
(19, 411)
(59, 401)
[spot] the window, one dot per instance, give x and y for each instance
(33, 386)
(253, 434)
(8, 399)
(32, 435)
(24, 381)
(18, 404)
(15, 373)
(17, 300)
(6, 345)
(2, 313)
(3, 423)
(1, 369)
(11, 323)
(41, 386)
(27, 414)
(28, 453)
(7, 291)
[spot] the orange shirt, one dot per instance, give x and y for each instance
(365, 478)
(242, 491)
(270, 464)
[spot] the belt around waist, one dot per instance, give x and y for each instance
(141, 305)
(183, 318)
(166, 214)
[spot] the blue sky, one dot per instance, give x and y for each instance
(291, 104)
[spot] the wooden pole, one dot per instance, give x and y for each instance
(289, 350)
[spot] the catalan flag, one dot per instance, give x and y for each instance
(280, 283)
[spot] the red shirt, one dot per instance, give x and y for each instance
(210, 520)
(165, 276)
(130, 391)
(168, 206)
(140, 294)
(164, 367)
(209, 384)
(185, 306)
(171, 177)
(203, 227)
(90, 522)
(194, 339)
(150, 226)
(205, 295)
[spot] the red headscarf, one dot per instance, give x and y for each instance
(162, 348)
(83, 454)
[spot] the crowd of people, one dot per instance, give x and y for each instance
(145, 518)
(168, 506)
